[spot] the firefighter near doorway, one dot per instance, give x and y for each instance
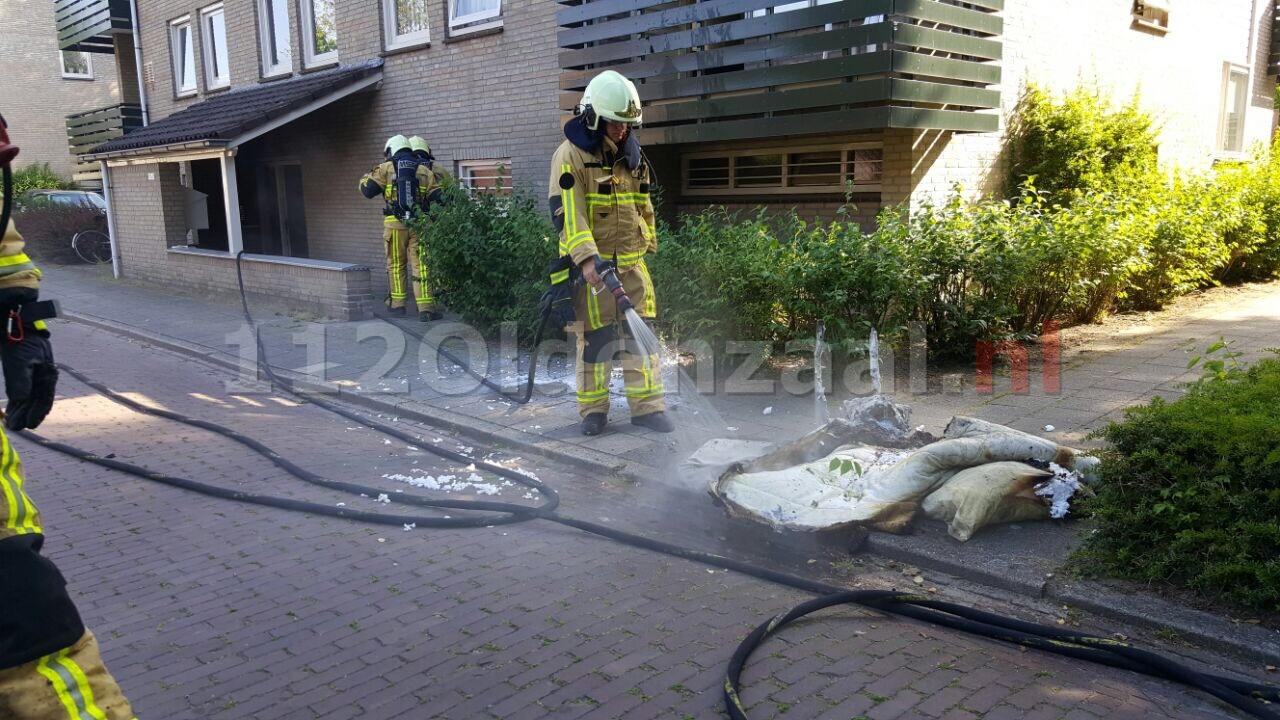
(408, 183)
(50, 667)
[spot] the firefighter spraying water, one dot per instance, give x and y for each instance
(600, 205)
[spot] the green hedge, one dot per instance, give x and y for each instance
(1076, 143)
(488, 255)
(1189, 491)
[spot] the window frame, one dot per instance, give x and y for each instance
(208, 50)
(67, 75)
(1229, 70)
(847, 163)
(310, 59)
(175, 55)
(474, 22)
(464, 172)
(267, 39)
(393, 41)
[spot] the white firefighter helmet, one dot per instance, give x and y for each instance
(419, 145)
(395, 144)
(611, 96)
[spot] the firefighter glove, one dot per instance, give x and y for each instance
(557, 300)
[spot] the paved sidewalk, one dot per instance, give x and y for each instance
(376, 364)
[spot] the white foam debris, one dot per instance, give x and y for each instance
(410, 526)
(384, 498)
(1049, 428)
(768, 410)
(386, 441)
(342, 504)
(449, 483)
(1059, 489)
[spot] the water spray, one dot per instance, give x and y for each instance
(640, 331)
(873, 357)
(820, 411)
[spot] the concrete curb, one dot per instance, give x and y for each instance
(1148, 612)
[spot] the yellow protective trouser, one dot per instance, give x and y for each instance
(641, 376)
(71, 684)
(406, 256)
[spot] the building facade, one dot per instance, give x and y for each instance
(264, 113)
(40, 85)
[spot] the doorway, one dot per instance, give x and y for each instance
(275, 216)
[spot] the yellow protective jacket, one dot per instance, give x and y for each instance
(16, 269)
(383, 179)
(601, 206)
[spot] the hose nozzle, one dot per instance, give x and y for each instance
(609, 274)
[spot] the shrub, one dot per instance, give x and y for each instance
(488, 255)
(1254, 241)
(851, 280)
(974, 262)
(38, 177)
(1189, 492)
(1182, 223)
(1076, 143)
(1108, 231)
(715, 277)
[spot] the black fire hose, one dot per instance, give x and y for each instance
(7, 210)
(520, 398)
(1249, 697)
(1245, 696)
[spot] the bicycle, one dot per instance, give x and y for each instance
(93, 246)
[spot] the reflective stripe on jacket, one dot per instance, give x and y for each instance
(16, 269)
(604, 206)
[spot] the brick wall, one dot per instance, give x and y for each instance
(1177, 77)
(150, 218)
(476, 97)
(34, 97)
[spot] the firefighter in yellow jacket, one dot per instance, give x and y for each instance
(599, 195)
(405, 180)
(50, 668)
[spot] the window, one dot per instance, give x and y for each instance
(472, 15)
(76, 65)
(484, 175)
(213, 34)
(790, 170)
(405, 23)
(320, 32)
(273, 34)
(1235, 98)
(182, 52)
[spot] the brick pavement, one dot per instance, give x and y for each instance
(210, 609)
